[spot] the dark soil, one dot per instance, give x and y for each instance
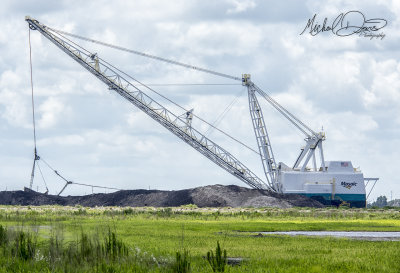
(208, 196)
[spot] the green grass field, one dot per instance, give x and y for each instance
(77, 239)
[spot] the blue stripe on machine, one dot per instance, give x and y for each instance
(343, 197)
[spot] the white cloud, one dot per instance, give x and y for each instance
(15, 111)
(293, 48)
(385, 88)
(233, 38)
(9, 79)
(15, 98)
(240, 6)
(348, 126)
(67, 140)
(51, 111)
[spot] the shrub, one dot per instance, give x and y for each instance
(24, 246)
(3, 236)
(217, 261)
(55, 249)
(128, 211)
(182, 263)
(167, 212)
(113, 247)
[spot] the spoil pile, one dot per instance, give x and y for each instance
(208, 196)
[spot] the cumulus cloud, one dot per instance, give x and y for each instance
(240, 5)
(50, 111)
(385, 87)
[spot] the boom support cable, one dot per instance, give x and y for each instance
(223, 113)
(189, 84)
(293, 119)
(281, 109)
(151, 89)
(203, 120)
(146, 55)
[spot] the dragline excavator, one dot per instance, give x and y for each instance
(330, 182)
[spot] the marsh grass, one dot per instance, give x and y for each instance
(21, 253)
(112, 239)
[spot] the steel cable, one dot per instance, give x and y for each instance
(154, 91)
(146, 55)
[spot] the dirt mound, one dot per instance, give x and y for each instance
(208, 196)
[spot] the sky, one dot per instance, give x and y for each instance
(347, 86)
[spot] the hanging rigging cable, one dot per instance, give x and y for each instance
(36, 156)
(149, 88)
(68, 182)
(44, 181)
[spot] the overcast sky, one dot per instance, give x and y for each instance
(350, 86)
